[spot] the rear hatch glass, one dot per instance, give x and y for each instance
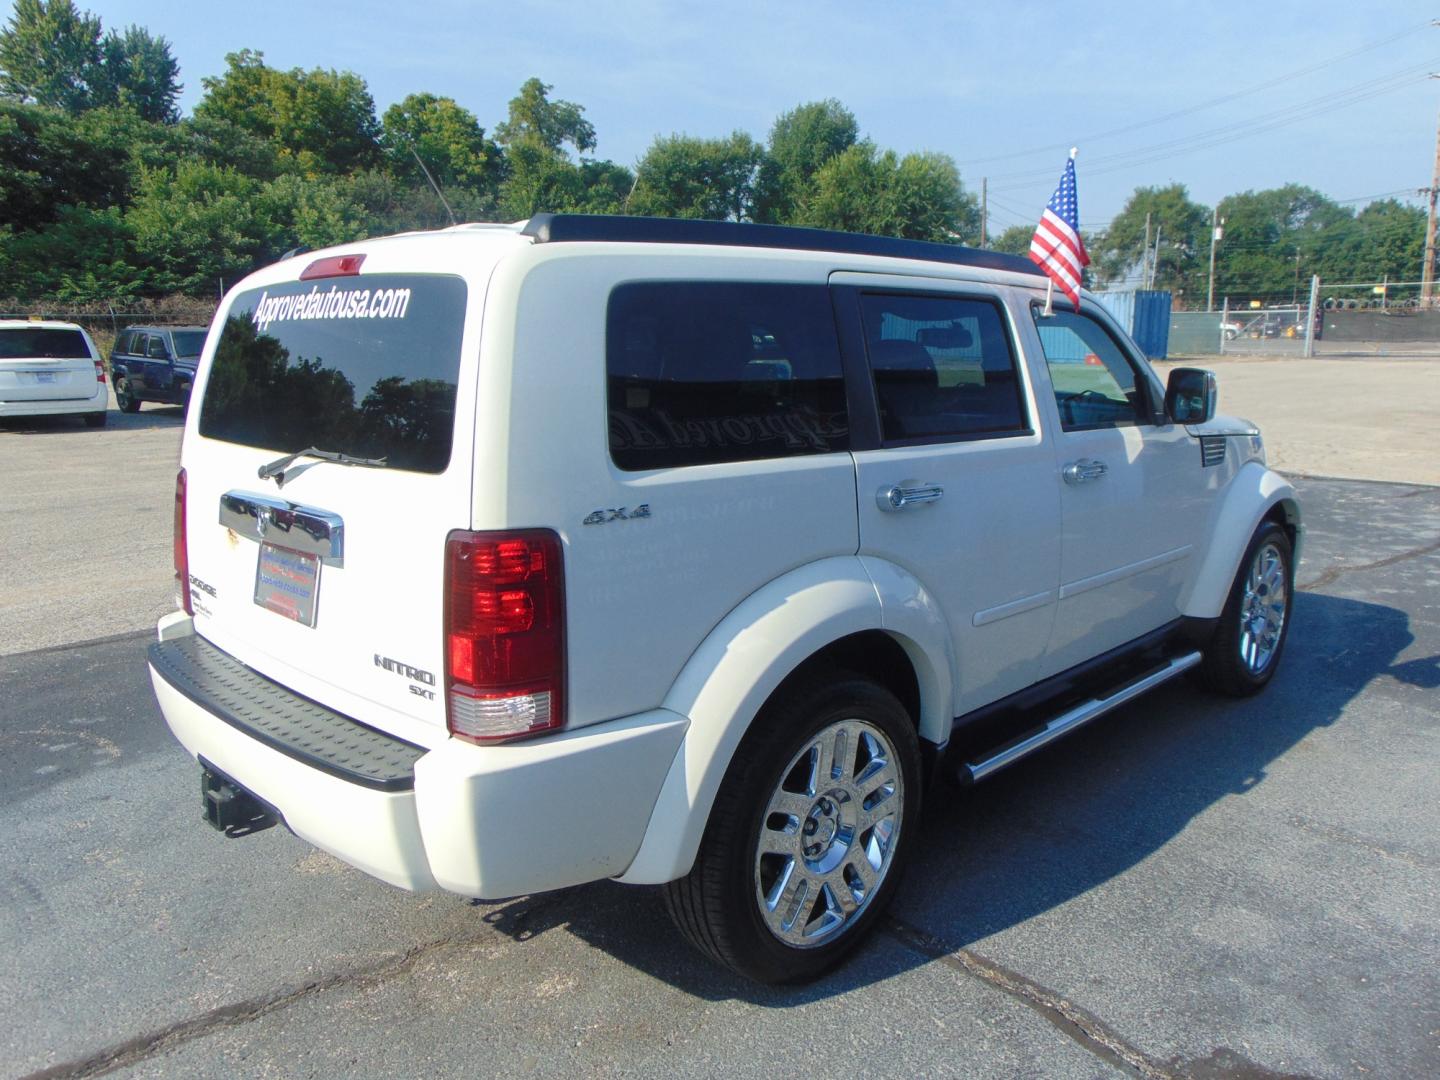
(367, 369)
(45, 344)
(188, 343)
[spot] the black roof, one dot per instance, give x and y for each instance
(589, 228)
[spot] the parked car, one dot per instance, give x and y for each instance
(155, 363)
(685, 553)
(51, 369)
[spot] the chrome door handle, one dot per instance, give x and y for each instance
(1082, 471)
(907, 495)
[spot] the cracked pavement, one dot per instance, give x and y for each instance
(1190, 887)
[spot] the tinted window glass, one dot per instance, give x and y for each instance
(943, 367)
(366, 366)
(155, 348)
(702, 372)
(1095, 385)
(188, 342)
(122, 342)
(39, 344)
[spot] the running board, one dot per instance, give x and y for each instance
(1080, 715)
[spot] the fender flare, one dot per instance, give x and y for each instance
(740, 664)
(1249, 497)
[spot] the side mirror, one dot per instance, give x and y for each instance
(1190, 395)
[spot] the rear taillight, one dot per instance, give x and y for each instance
(99, 372)
(182, 557)
(504, 634)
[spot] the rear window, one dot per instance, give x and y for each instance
(367, 366)
(39, 344)
(705, 372)
(188, 342)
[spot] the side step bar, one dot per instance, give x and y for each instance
(1080, 715)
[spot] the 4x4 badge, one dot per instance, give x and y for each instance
(621, 513)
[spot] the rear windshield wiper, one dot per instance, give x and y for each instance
(276, 469)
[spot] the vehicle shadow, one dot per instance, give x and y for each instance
(1051, 827)
(149, 417)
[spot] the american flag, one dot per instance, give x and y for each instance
(1056, 246)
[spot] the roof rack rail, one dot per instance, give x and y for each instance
(590, 228)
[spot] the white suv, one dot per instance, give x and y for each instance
(685, 553)
(51, 369)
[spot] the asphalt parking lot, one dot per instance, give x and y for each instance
(1191, 887)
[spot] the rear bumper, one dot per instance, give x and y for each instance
(98, 402)
(481, 821)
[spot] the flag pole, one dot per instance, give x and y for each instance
(1049, 296)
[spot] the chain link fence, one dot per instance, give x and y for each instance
(104, 321)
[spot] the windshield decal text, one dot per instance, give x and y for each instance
(337, 303)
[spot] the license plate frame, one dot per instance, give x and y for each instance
(287, 582)
(45, 377)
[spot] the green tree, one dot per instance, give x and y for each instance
(801, 142)
(49, 159)
(50, 54)
(1015, 240)
(320, 122)
(540, 174)
(200, 225)
(1182, 228)
(446, 137)
(85, 255)
(1274, 240)
(682, 176)
(312, 213)
(865, 190)
(139, 72)
(534, 118)
(1389, 242)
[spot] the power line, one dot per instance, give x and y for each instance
(1210, 103)
(1316, 106)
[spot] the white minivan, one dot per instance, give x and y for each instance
(513, 557)
(51, 369)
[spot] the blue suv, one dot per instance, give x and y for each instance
(155, 363)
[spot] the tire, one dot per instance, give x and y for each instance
(1245, 651)
(743, 905)
(123, 397)
(96, 419)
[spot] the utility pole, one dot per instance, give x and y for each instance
(1217, 230)
(1145, 258)
(1427, 272)
(984, 209)
(1155, 262)
(1310, 316)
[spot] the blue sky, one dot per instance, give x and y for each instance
(1003, 88)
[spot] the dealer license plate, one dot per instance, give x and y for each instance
(288, 583)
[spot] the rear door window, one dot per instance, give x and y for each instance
(707, 372)
(367, 366)
(943, 368)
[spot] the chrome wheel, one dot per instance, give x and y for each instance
(1263, 608)
(829, 833)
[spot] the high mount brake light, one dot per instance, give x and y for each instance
(504, 634)
(182, 554)
(333, 266)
